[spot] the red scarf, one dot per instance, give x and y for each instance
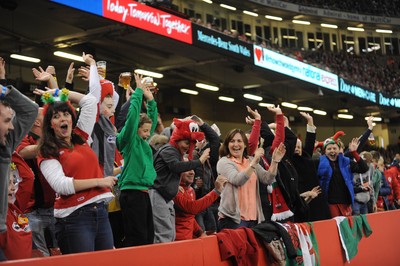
(280, 210)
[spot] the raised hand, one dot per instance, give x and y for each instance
(141, 84)
(41, 75)
(51, 70)
(277, 110)
(308, 117)
(84, 72)
(2, 68)
(249, 120)
(70, 73)
(128, 93)
(147, 93)
(370, 122)
(278, 153)
(205, 155)
(88, 59)
(353, 145)
(254, 113)
(197, 119)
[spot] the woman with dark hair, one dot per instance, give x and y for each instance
(240, 200)
(72, 170)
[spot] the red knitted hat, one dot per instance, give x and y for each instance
(186, 130)
(107, 88)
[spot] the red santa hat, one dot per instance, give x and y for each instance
(107, 88)
(186, 130)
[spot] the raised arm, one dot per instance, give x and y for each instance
(3, 80)
(94, 80)
(69, 79)
(279, 128)
(310, 135)
(213, 141)
(360, 166)
(25, 114)
(129, 130)
(364, 137)
(46, 76)
(255, 121)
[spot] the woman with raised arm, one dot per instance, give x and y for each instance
(240, 200)
(72, 170)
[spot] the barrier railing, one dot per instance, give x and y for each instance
(381, 248)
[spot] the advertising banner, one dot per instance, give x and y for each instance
(221, 43)
(291, 67)
(137, 15)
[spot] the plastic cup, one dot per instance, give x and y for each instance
(103, 66)
(125, 79)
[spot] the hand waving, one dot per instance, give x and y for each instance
(279, 152)
(70, 73)
(353, 145)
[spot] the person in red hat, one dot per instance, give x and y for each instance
(71, 167)
(169, 164)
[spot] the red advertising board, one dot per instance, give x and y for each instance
(148, 18)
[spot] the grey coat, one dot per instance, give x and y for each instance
(25, 115)
(229, 205)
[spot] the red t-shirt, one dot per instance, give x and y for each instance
(79, 162)
(16, 242)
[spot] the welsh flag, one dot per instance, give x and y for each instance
(305, 244)
(351, 230)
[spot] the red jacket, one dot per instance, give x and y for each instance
(43, 192)
(392, 174)
(25, 178)
(240, 244)
(187, 207)
(16, 242)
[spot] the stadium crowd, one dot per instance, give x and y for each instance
(78, 183)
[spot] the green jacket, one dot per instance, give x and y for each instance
(138, 173)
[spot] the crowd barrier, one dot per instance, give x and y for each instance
(379, 249)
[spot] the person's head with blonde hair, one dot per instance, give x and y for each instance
(158, 140)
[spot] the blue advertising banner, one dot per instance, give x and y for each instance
(291, 67)
(356, 90)
(91, 6)
(221, 43)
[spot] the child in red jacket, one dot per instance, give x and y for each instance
(16, 242)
